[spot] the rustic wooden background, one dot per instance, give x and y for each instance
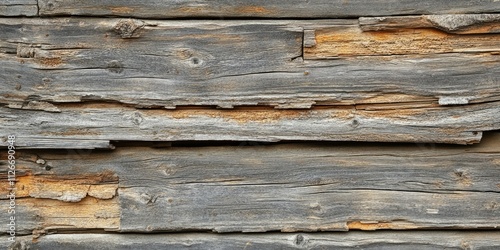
(298, 124)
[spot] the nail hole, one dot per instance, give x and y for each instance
(195, 60)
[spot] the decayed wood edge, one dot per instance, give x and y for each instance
(13, 8)
(456, 24)
(291, 187)
(193, 73)
(83, 201)
(108, 122)
(486, 240)
(266, 9)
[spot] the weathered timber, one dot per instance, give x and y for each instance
(339, 41)
(268, 9)
(18, 8)
(314, 187)
(222, 63)
(424, 240)
(462, 124)
(455, 24)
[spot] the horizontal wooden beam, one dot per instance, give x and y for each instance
(290, 187)
(262, 9)
(74, 126)
(353, 240)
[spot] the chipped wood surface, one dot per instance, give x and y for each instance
(353, 240)
(263, 9)
(83, 201)
(352, 41)
(291, 187)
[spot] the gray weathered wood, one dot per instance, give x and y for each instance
(424, 240)
(315, 187)
(223, 63)
(103, 122)
(458, 24)
(18, 8)
(272, 9)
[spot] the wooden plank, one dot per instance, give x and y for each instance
(332, 42)
(353, 240)
(221, 63)
(455, 24)
(19, 8)
(314, 187)
(269, 9)
(108, 122)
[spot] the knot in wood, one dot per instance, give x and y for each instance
(129, 28)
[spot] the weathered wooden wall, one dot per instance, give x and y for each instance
(165, 124)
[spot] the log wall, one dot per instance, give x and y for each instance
(307, 124)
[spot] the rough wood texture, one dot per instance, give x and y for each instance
(426, 240)
(18, 8)
(454, 124)
(455, 24)
(269, 9)
(323, 187)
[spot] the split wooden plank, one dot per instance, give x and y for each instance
(353, 240)
(291, 187)
(405, 35)
(19, 8)
(108, 122)
(267, 9)
(221, 63)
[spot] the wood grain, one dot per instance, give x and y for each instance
(263, 9)
(290, 187)
(352, 240)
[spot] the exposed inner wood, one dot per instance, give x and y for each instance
(353, 41)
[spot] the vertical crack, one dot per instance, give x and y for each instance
(37, 8)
